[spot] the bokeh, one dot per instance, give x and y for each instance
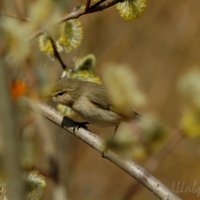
(159, 47)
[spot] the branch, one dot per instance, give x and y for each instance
(155, 160)
(87, 5)
(98, 6)
(95, 8)
(130, 167)
(56, 53)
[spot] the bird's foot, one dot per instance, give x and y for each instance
(80, 125)
(103, 153)
(116, 127)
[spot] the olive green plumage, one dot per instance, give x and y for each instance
(89, 100)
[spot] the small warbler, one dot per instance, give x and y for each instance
(89, 100)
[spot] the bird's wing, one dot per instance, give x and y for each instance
(99, 98)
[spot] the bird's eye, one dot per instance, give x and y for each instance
(60, 93)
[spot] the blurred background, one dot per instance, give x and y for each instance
(160, 47)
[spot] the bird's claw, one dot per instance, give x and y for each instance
(103, 153)
(80, 125)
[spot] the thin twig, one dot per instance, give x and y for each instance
(87, 5)
(76, 14)
(105, 5)
(56, 53)
(73, 15)
(97, 4)
(130, 167)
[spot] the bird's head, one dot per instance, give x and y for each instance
(63, 91)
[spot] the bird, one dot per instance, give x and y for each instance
(89, 100)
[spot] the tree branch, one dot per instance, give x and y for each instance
(95, 8)
(99, 6)
(130, 167)
(154, 161)
(87, 5)
(56, 53)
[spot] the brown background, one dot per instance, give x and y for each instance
(160, 46)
